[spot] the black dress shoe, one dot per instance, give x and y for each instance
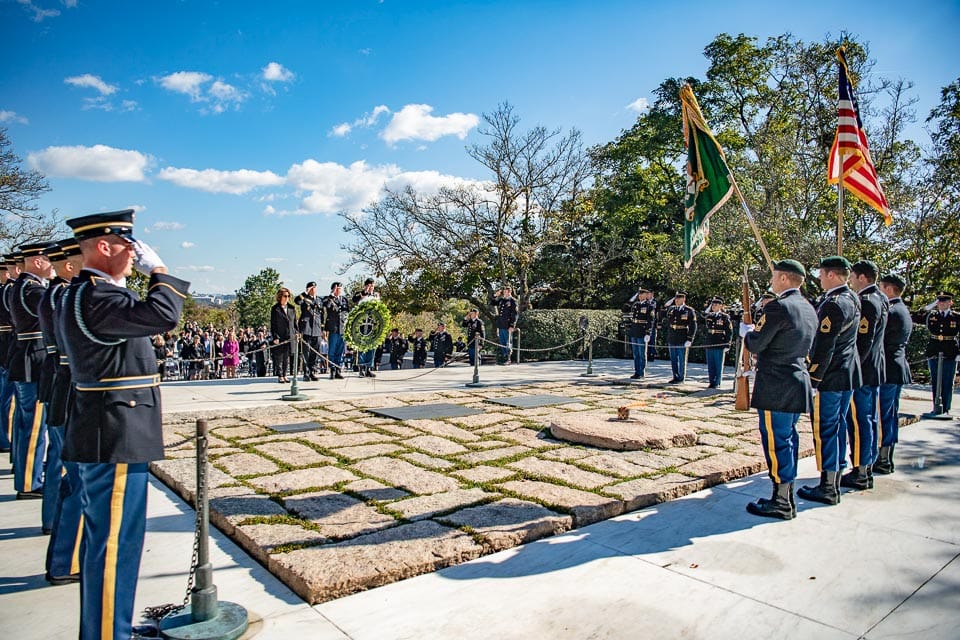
(46, 531)
(825, 493)
(370, 374)
(635, 376)
(338, 376)
(61, 580)
(29, 495)
(778, 506)
(857, 479)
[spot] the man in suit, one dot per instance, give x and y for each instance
(863, 416)
(895, 339)
(680, 324)
(944, 326)
(782, 391)
(835, 373)
(115, 422)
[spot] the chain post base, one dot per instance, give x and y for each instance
(230, 622)
(589, 373)
(295, 395)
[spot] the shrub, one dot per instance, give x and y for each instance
(548, 328)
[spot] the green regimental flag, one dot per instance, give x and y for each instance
(708, 178)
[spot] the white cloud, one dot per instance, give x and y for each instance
(11, 116)
(90, 81)
(128, 105)
(99, 163)
(276, 72)
(197, 268)
(214, 181)
(39, 13)
(269, 210)
(366, 51)
(188, 82)
(341, 130)
(640, 105)
(414, 122)
(224, 95)
(187, 245)
(166, 226)
(366, 120)
(70, 4)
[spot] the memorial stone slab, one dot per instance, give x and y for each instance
(425, 411)
(531, 402)
(640, 431)
(297, 427)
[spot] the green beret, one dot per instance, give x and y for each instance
(790, 266)
(835, 262)
(895, 280)
(867, 268)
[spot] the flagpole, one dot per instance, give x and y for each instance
(753, 223)
(840, 210)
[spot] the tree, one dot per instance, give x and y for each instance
(20, 220)
(467, 240)
(255, 298)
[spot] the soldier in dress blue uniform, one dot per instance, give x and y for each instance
(680, 326)
(26, 361)
(655, 311)
(419, 345)
(507, 313)
(643, 313)
(62, 563)
(944, 326)
(114, 427)
(895, 339)
(442, 345)
(473, 325)
(6, 334)
(311, 328)
(834, 372)
(14, 268)
(718, 332)
(335, 307)
(863, 416)
(398, 348)
(781, 341)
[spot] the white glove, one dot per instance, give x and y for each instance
(147, 259)
(647, 339)
(749, 373)
(687, 343)
(745, 329)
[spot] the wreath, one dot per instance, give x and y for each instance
(366, 325)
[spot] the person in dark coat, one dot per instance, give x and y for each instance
(419, 345)
(311, 328)
(781, 340)
(114, 426)
(398, 348)
(473, 325)
(863, 415)
(283, 329)
(835, 373)
(442, 345)
(944, 326)
(335, 307)
(895, 339)
(507, 313)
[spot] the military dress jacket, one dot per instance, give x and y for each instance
(311, 314)
(717, 329)
(834, 362)
(335, 313)
(7, 337)
(50, 362)
(944, 327)
(61, 387)
(782, 340)
(419, 345)
(643, 315)
(442, 345)
(28, 353)
(895, 339)
(398, 347)
(507, 312)
(106, 329)
(473, 327)
(680, 324)
(874, 309)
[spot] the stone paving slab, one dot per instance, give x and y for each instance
(337, 515)
(422, 507)
(425, 411)
(645, 431)
(585, 507)
(294, 454)
(246, 464)
(509, 522)
(297, 427)
(531, 402)
(313, 477)
(404, 475)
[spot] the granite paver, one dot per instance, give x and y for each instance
(314, 477)
(400, 473)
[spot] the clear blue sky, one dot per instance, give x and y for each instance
(238, 129)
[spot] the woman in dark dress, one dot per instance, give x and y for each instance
(283, 320)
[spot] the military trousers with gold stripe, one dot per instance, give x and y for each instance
(781, 444)
(863, 426)
(30, 438)
(63, 550)
(114, 499)
(829, 423)
(889, 414)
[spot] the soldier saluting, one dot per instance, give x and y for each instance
(643, 313)
(944, 326)
(718, 330)
(680, 324)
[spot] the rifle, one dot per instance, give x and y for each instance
(742, 402)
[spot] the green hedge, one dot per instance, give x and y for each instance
(546, 328)
(916, 353)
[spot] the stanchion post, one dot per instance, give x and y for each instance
(516, 330)
(476, 363)
(295, 394)
(938, 397)
(589, 373)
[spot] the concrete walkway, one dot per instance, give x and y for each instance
(882, 564)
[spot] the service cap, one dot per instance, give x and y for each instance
(112, 223)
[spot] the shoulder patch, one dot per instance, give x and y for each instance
(760, 322)
(825, 325)
(864, 326)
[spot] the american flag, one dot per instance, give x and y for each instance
(859, 174)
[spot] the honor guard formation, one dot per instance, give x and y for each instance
(81, 401)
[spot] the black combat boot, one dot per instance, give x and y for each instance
(884, 464)
(858, 479)
(778, 506)
(827, 492)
